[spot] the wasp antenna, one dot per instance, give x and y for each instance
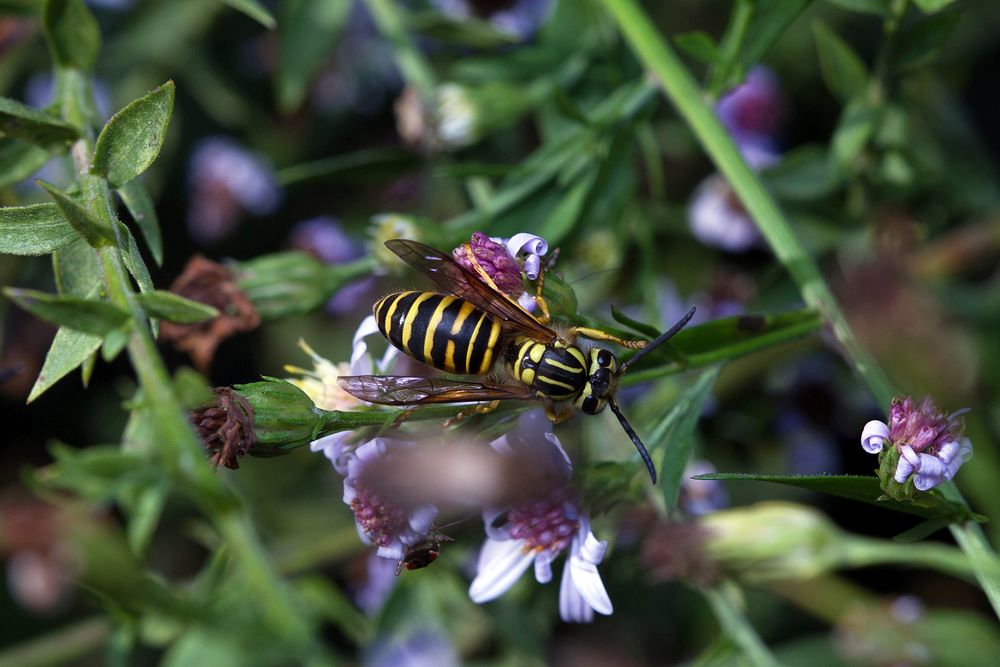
(659, 340)
(635, 440)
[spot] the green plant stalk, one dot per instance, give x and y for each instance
(64, 646)
(863, 552)
(390, 22)
(182, 453)
(681, 89)
(736, 625)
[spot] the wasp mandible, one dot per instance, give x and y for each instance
(479, 330)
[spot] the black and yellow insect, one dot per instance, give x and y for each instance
(479, 330)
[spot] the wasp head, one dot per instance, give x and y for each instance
(602, 381)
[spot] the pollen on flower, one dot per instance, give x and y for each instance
(380, 520)
(546, 524)
(320, 383)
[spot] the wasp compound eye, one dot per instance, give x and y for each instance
(590, 405)
(604, 358)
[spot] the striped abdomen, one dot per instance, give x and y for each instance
(439, 330)
(558, 371)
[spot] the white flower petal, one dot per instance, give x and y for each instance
(393, 552)
(572, 607)
(543, 567)
(874, 435)
(422, 518)
(529, 243)
(947, 451)
(587, 551)
(501, 564)
(903, 470)
(496, 530)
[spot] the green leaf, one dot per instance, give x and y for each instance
(90, 229)
(307, 34)
(33, 230)
(254, 10)
(174, 308)
(133, 260)
(641, 327)
(18, 160)
(76, 270)
(804, 174)
(21, 7)
(98, 318)
(469, 32)
(112, 345)
(675, 433)
(862, 488)
(921, 42)
(69, 349)
(72, 33)
(366, 165)
(878, 7)
(932, 6)
(140, 206)
(843, 71)
(725, 338)
(855, 128)
(770, 20)
(132, 139)
(700, 45)
(33, 125)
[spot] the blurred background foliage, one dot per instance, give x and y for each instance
(295, 126)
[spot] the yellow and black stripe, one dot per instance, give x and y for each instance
(555, 371)
(439, 330)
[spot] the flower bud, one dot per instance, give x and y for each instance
(772, 540)
(291, 283)
(284, 417)
(388, 226)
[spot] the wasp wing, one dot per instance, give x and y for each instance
(404, 390)
(453, 277)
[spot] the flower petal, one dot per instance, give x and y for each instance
(501, 564)
(873, 436)
(496, 529)
(583, 569)
(543, 567)
(908, 463)
(572, 607)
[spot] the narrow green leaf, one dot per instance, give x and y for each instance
(931, 6)
(675, 432)
(18, 160)
(33, 125)
(307, 34)
(803, 174)
(69, 349)
(254, 10)
(699, 45)
(855, 128)
(878, 7)
(770, 20)
(72, 33)
(91, 230)
(76, 270)
(843, 71)
(113, 344)
(132, 139)
(133, 260)
(33, 230)
(923, 530)
(140, 206)
(641, 327)
(174, 308)
(94, 317)
(862, 488)
(921, 42)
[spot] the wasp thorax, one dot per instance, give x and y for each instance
(600, 382)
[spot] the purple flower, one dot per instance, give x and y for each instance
(227, 180)
(418, 649)
(499, 262)
(379, 580)
(517, 18)
(536, 529)
(755, 109)
(382, 521)
(928, 441)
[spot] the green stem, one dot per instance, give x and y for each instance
(66, 645)
(682, 90)
(736, 626)
(864, 552)
(389, 19)
(731, 44)
(181, 453)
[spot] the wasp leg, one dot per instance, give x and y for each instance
(478, 409)
(597, 334)
(544, 316)
(555, 417)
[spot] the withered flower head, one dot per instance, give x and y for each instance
(675, 550)
(226, 427)
(213, 284)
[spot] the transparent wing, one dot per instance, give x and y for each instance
(456, 279)
(404, 390)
